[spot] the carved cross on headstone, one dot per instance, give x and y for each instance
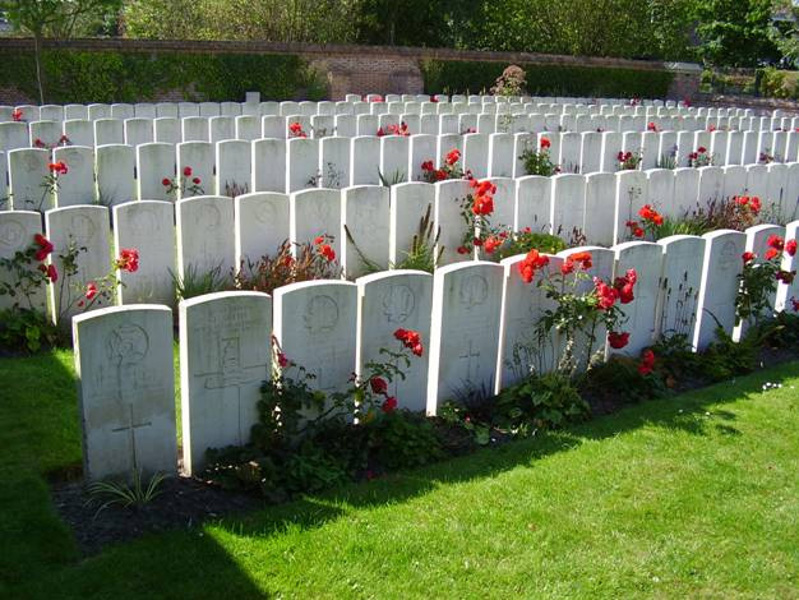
(131, 428)
(469, 355)
(232, 374)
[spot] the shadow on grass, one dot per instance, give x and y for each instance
(35, 545)
(687, 413)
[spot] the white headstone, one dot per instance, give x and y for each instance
(79, 132)
(365, 167)
(149, 227)
(262, 224)
(195, 129)
(222, 128)
(315, 323)
(77, 185)
(680, 284)
(154, 163)
(233, 168)
(475, 154)
(389, 301)
(79, 227)
(45, 133)
(394, 158)
(225, 355)
(109, 131)
(303, 164)
(248, 127)
(365, 215)
(639, 315)
(195, 161)
(313, 213)
(334, 167)
(534, 203)
(721, 266)
(13, 136)
(167, 130)
(410, 203)
(600, 206)
(17, 229)
(787, 294)
(269, 165)
(138, 131)
(27, 169)
(115, 167)
(464, 337)
(126, 391)
(568, 205)
(205, 236)
(521, 352)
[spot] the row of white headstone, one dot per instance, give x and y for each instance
(172, 130)
(356, 104)
(200, 234)
(476, 320)
(115, 174)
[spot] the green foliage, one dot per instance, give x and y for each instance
(737, 33)
(725, 358)
(196, 282)
(547, 401)
(458, 77)
(537, 161)
(83, 77)
(27, 330)
(618, 381)
(125, 495)
(422, 255)
(521, 242)
(318, 21)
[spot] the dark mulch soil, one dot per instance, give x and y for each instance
(182, 504)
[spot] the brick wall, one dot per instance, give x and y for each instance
(360, 69)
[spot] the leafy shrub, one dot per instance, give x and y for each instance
(313, 261)
(106, 76)
(619, 380)
(547, 401)
(512, 82)
(459, 77)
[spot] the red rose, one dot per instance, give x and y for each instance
(52, 273)
(91, 290)
(45, 247)
(748, 257)
(327, 251)
(776, 242)
(166, 182)
(187, 171)
(790, 247)
(196, 181)
(771, 253)
(618, 341)
(427, 165)
(378, 385)
(282, 360)
(453, 156)
(545, 143)
(128, 260)
(491, 244)
(462, 250)
(389, 405)
(17, 114)
(318, 240)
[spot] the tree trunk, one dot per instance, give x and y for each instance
(37, 51)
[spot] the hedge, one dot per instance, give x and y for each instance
(462, 77)
(72, 76)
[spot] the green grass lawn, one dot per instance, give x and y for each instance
(693, 496)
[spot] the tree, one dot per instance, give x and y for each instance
(736, 33)
(54, 18)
